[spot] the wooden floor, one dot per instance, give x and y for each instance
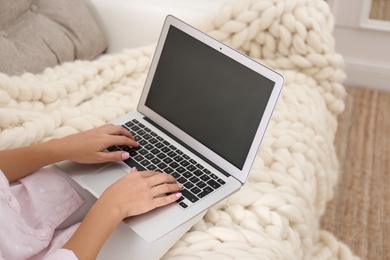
(359, 214)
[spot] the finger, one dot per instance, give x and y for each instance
(147, 174)
(165, 188)
(160, 178)
(121, 140)
(165, 200)
(113, 156)
(119, 130)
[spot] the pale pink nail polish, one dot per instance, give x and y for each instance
(125, 156)
(178, 194)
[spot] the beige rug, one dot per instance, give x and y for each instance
(359, 213)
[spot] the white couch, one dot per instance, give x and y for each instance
(276, 214)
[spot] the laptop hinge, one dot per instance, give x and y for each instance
(188, 147)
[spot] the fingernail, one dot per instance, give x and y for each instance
(180, 185)
(134, 169)
(178, 194)
(125, 156)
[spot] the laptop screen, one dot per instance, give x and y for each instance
(211, 97)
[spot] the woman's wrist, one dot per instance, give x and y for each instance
(94, 230)
(111, 213)
(56, 149)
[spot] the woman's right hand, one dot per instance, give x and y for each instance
(141, 191)
(133, 194)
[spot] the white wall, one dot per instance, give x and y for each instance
(134, 23)
(364, 44)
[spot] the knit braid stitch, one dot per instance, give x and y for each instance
(70, 98)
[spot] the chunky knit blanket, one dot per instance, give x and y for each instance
(276, 214)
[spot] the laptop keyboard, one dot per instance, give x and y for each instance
(157, 154)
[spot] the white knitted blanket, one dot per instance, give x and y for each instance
(276, 214)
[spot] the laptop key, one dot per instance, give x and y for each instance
(205, 177)
(174, 165)
(159, 145)
(175, 175)
(147, 136)
(132, 163)
(184, 163)
(168, 160)
(127, 149)
(145, 163)
(113, 148)
(138, 158)
(200, 166)
(149, 147)
(165, 149)
(169, 170)
(162, 165)
(142, 151)
(187, 174)
(222, 182)
(155, 151)
(180, 169)
(183, 205)
(191, 168)
(172, 154)
(205, 192)
(149, 156)
(195, 190)
(181, 180)
(129, 124)
(135, 128)
(153, 141)
(161, 156)
(194, 179)
(142, 142)
(151, 167)
(198, 173)
(215, 177)
(141, 132)
(188, 195)
(213, 184)
(201, 184)
(188, 185)
(155, 161)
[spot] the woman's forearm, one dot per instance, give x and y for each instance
(20, 162)
(93, 231)
(85, 147)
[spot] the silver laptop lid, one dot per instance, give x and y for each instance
(212, 98)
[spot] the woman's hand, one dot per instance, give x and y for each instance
(134, 194)
(84, 147)
(89, 146)
(140, 192)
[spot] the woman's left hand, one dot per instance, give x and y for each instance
(90, 146)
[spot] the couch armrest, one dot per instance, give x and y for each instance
(134, 23)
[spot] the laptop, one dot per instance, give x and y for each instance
(201, 117)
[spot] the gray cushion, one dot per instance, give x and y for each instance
(36, 34)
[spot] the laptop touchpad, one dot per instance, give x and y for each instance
(100, 180)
